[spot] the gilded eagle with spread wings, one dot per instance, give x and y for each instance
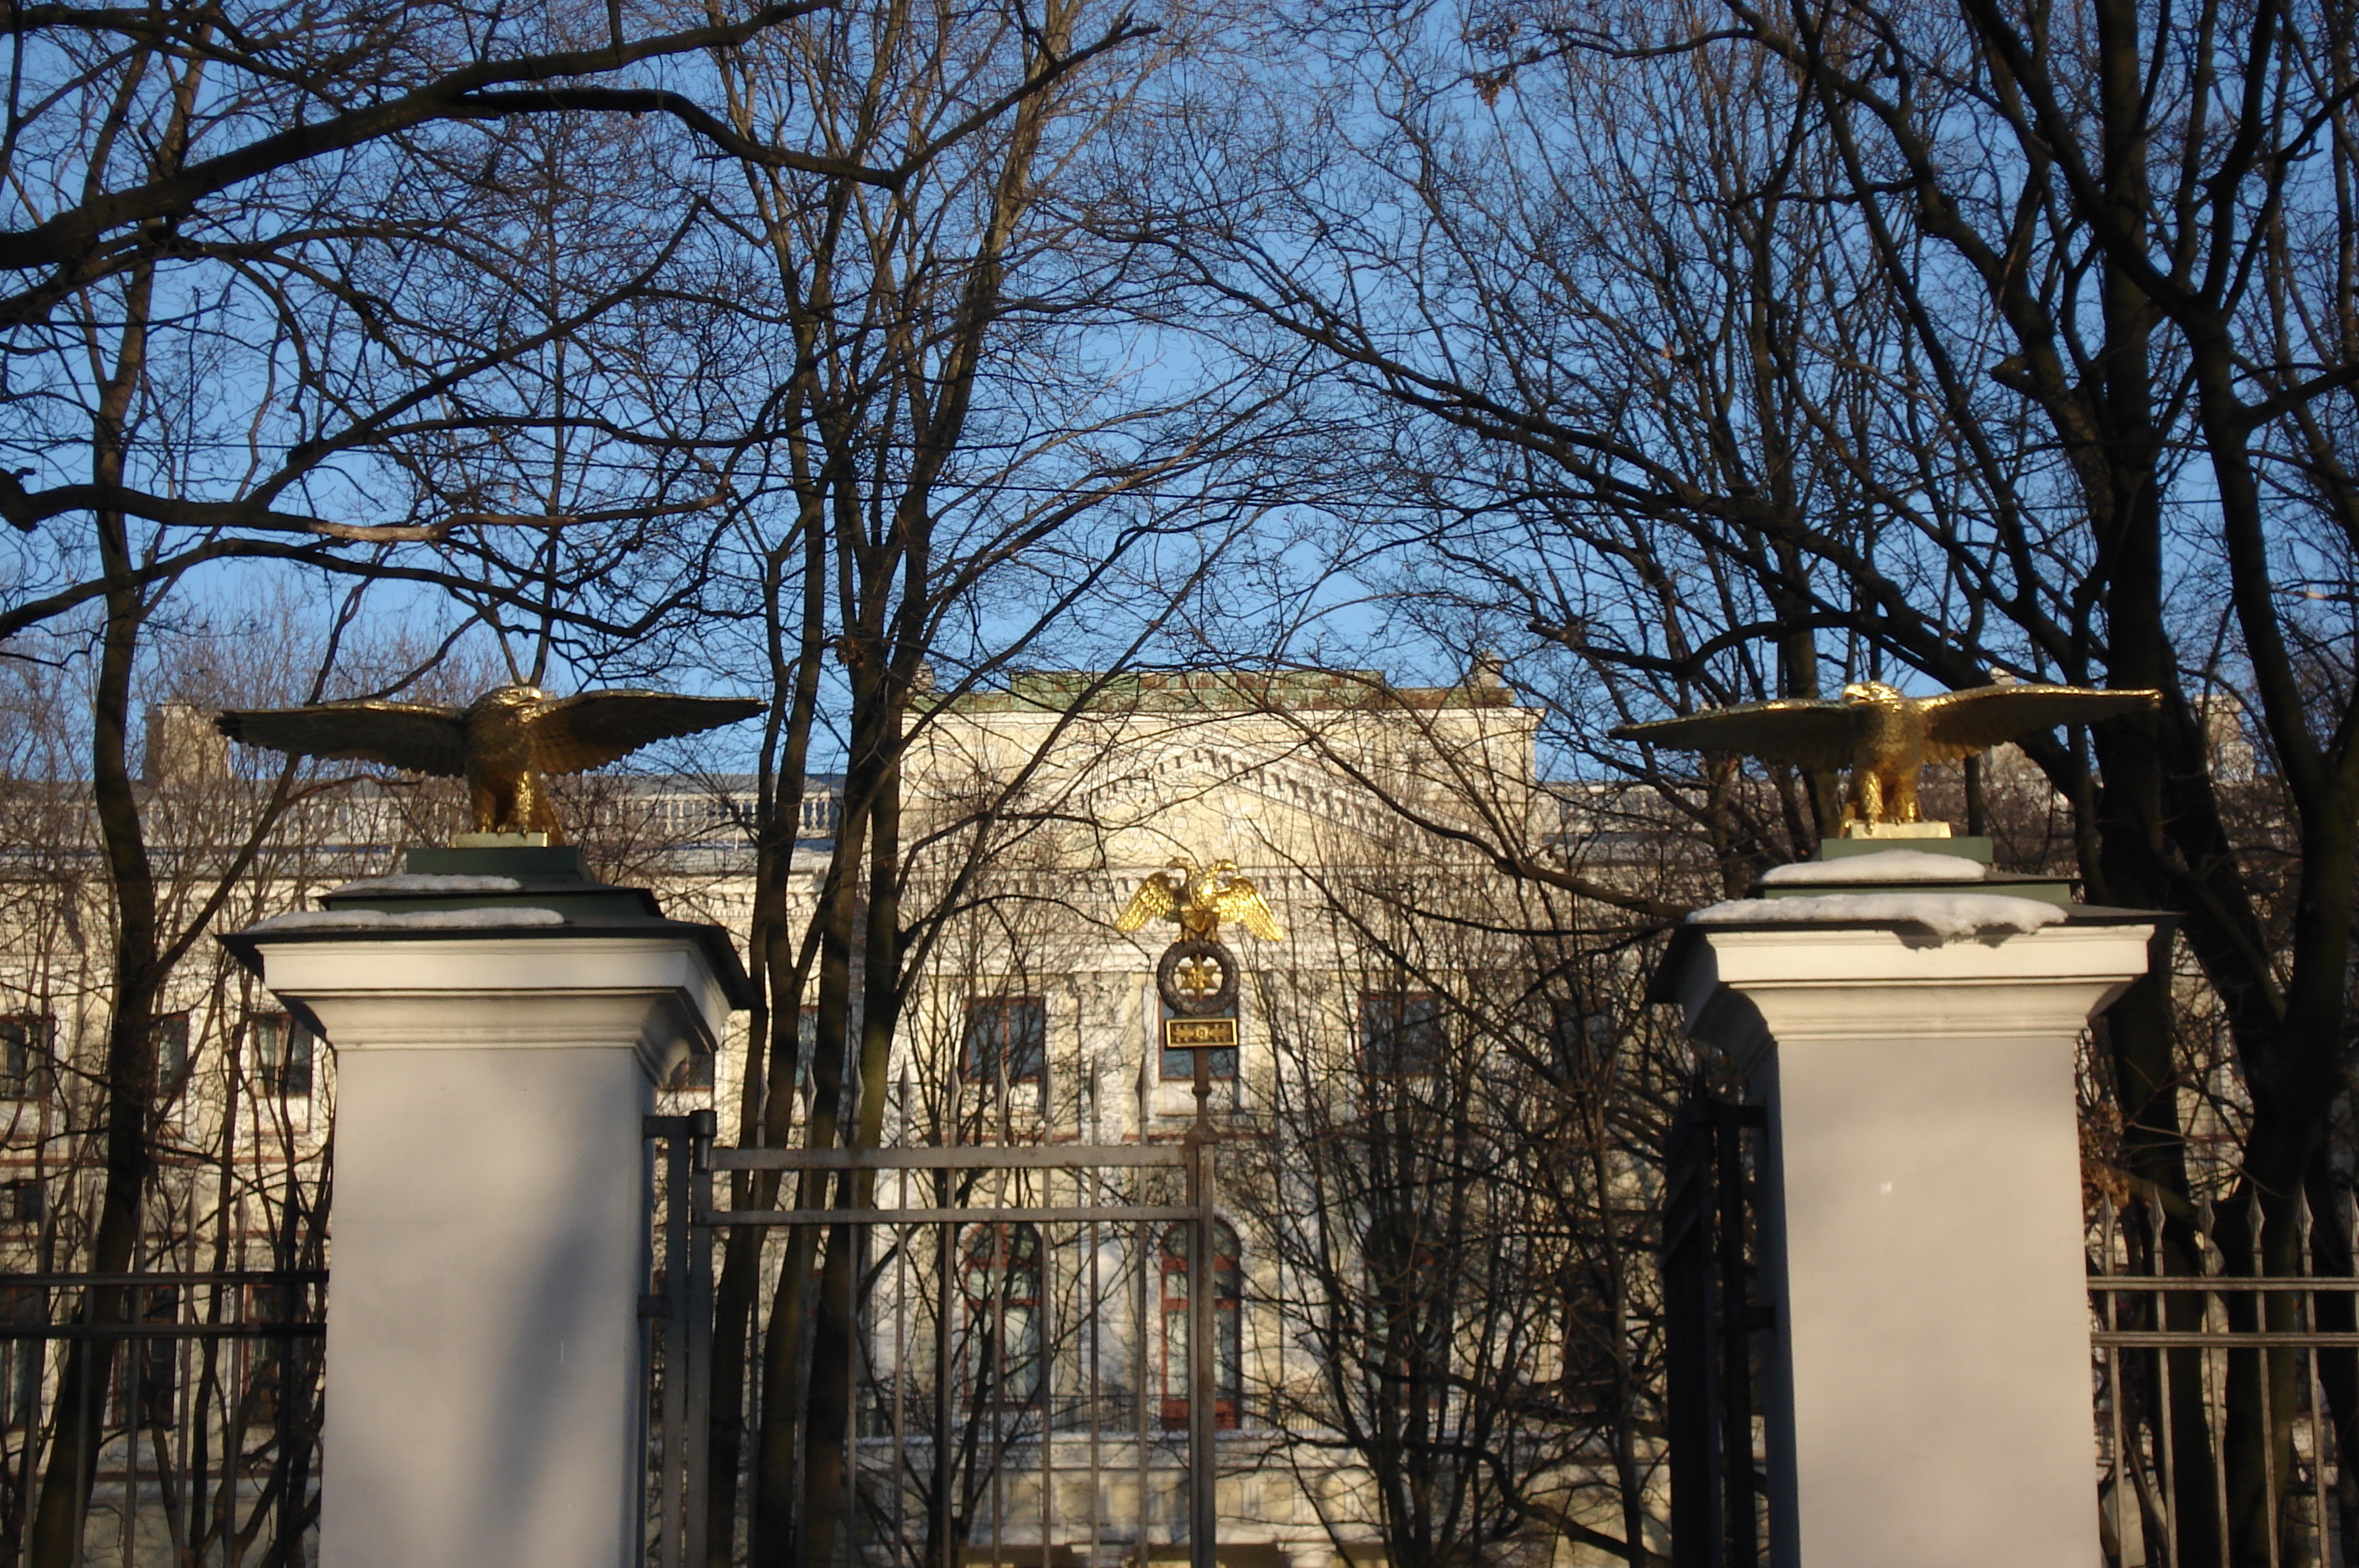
(502, 743)
(1883, 737)
(1199, 899)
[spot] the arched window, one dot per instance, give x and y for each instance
(1001, 1280)
(1228, 1327)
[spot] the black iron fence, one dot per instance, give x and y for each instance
(1023, 1365)
(175, 1415)
(1719, 1501)
(2227, 1402)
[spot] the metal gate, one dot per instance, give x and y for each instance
(1717, 1485)
(1025, 1303)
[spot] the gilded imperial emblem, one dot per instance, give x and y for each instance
(1197, 976)
(1197, 899)
(1885, 738)
(502, 744)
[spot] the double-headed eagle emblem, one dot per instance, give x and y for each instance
(1197, 899)
(1885, 738)
(502, 743)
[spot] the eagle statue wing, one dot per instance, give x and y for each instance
(1960, 723)
(574, 734)
(414, 736)
(1793, 731)
(1155, 898)
(1241, 901)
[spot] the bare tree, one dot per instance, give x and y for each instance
(956, 461)
(1456, 1185)
(1727, 347)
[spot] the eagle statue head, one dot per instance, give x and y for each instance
(1876, 692)
(516, 694)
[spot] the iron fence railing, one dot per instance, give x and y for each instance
(195, 1420)
(2226, 1399)
(1024, 1362)
(1719, 1491)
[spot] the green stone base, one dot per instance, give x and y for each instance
(517, 858)
(1975, 849)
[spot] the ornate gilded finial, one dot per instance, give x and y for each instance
(1885, 738)
(502, 743)
(1198, 900)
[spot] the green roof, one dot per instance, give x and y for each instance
(1217, 690)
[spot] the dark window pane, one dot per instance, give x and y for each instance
(170, 1034)
(24, 1038)
(1583, 1036)
(267, 1359)
(157, 1364)
(1006, 1037)
(282, 1055)
(1400, 1032)
(20, 1360)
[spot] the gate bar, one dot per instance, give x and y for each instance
(965, 1157)
(946, 1216)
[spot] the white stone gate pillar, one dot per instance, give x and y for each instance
(1928, 1392)
(496, 1051)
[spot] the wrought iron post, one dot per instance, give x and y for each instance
(702, 1125)
(1197, 979)
(1203, 1354)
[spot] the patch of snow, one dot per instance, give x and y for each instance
(419, 882)
(1949, 916)
(1883, 865)
(416, 919)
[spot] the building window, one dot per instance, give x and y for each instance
(152, 1370)
(1401, 1033)
(283, 1053)
(1584, 1039)
(169, 1034)
(20, 1360)
(267, 1363)
(24, 1041)
(1228, 1327)
(1180, 1066)
(1007, 1039)
(1409, 1311)
(22, 1203)
(1001, 1285)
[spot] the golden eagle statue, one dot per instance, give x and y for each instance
(1199, 899)
(502, 743)
(1883, 737)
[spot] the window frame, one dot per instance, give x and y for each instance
(1388, 1061)
(974, 1044)
(14, 1211)
(273, 1068)
(23, 1362)
(1005, 1276)
(1228, 1318)
(22, 1057)
(147, 1379)
(1392, 1262)
(173, 1034)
